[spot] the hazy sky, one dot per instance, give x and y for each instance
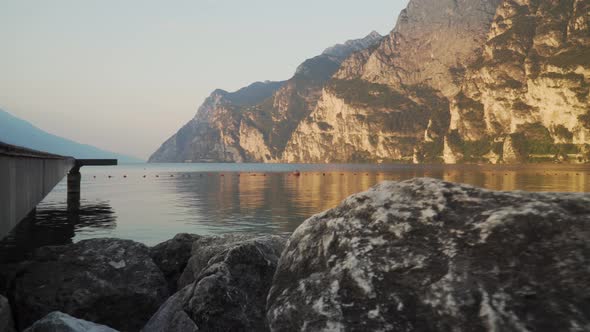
(124, 75)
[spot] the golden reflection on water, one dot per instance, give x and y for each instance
(152, 203)
(286, 200)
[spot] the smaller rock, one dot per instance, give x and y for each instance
(7, 275)
(203, 250)
(6, 321)
(172, 256)
(60, 322)
(171, 316)
(229, 293)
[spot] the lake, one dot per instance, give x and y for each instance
(151, 203)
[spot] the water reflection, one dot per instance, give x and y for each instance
(155, 202)
(52, 224)
(267, 202)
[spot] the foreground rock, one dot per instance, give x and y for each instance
(207, 247)
(426, 255)
(108, 281)
(6, 321)
(172, 256)
(230, 289)
(60, 322)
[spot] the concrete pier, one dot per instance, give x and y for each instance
(27, 176)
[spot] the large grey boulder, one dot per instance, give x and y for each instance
(427, 255)
(229, 292)
(6, 320)
(60, 322)
(172, 257)
(108, 281)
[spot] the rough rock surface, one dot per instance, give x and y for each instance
(427, 255)
(108, 281)
(229, 292)
(7, 274)
(6, 321)
(171, 316)
(60, 322)
(207, 247)
(172, 257)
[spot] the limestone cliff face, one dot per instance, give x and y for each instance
(455, 81)
(213, 135)
(357, 121)
(530, 86)
(432, 43)
(506, 81)
(255, 123)
(391, 102)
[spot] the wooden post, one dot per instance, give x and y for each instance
(74, 178)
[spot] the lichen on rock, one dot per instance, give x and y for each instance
(427, 255)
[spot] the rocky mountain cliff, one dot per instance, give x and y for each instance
(255, 123)
(455, 81)
(527, 94)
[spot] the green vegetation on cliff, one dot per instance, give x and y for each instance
(362, 93)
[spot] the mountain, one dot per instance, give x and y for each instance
(486, 81)
(384, 102)
(527, 95)
(22, 133)
(255, 123)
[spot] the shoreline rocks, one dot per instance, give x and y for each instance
(417, 255)
(232, 277)
(6, 320)
(108, 281)
(172, 257)
(60, 322)
(428, 255)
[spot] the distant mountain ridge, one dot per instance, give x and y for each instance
(19, 132)
(456, 81)
(254, 123)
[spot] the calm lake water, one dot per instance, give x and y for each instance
(151, 203)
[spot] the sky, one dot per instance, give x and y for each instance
(126, 75)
